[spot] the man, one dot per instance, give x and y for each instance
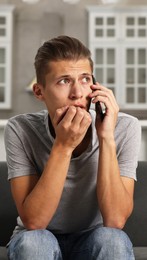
(72, 174)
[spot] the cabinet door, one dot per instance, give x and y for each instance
(6, 30)
(135, 26)
(2, 73)
(103, 26)
(6, 22)
(5, 76)
(106, 65)
(3, 23)
(135, 76)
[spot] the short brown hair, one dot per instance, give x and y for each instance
(60, 48)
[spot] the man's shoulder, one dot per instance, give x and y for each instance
(127, 124)
(28, 117)
(124, 118)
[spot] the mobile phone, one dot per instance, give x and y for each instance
(99, 107)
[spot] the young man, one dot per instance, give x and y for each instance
(72, 174)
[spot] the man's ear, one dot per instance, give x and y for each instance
(38, 91)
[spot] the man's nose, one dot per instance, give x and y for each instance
(76, 90)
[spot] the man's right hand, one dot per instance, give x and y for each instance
(71, 124)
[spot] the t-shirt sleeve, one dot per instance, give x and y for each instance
(129, 155)
(18, 161)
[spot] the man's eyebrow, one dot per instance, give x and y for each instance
(86, 74)
(69, 76)
(63, 76)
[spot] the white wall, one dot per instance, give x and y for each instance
(2, 147)
(143, 149)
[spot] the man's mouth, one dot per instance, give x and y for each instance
(79, 105)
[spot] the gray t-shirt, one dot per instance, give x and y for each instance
(28, 144)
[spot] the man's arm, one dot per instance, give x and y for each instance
(115, 193)
(37, 199)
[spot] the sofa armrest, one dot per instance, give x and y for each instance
(136, 226)
(8, 212)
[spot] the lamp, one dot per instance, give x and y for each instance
(110, 1)
(71, 1)
(30, 1)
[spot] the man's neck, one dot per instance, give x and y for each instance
(51, 128)
(84, 144)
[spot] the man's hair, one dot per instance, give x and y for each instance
(58, 49)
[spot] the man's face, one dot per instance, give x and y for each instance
(67, 83)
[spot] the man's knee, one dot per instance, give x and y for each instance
(36, 238)
(112, 243)
(112, 236)
(35, 243)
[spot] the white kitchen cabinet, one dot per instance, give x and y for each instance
(6, 31)
(118, 42)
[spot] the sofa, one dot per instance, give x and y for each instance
(136, 226)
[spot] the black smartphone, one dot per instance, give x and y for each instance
(100, 108)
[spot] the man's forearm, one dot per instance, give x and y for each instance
(114, 200)
(40, 205)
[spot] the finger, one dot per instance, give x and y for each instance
(80, 113)
(59, 114)
(70, 114)
(102, 91)
(108, 102)
(86, 121)
(99, 86)
(105, 92)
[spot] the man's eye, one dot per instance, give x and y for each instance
(64, 81)
(86, 79)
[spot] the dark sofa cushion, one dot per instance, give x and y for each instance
(8, 212)
(3, 253)
(136, 226)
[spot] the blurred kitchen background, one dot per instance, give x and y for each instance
(114, 30)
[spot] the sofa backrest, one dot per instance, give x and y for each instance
(136, 226)
(8, 212)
